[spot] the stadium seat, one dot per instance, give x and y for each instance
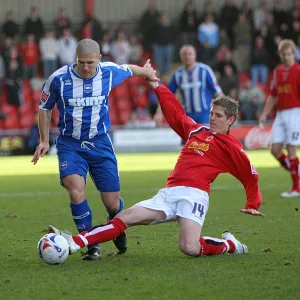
(124, 107)
(123, 103)
(135, 80)
(26, 108)
(26, 121)
(54, 117)
(124, 115)
(26, 118)
(243, 77)
(26, 84)
(3, 97)
(26, 92)
(264, 87)
(145, 56)
(9, 109)
(135, 85)
(120, 90)
(114, 117)
(141, 100)
(36, 100)
(12, 120)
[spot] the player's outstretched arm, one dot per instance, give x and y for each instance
(146, 71)
(44, 127)
(241, 168)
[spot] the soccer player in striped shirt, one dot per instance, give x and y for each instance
(80, 91)
(197, 85)
(185, 197)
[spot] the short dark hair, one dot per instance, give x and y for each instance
(231, 107)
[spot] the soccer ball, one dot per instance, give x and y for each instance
(53, 249)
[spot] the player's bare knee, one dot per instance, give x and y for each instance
(111, 201)
(76, 195)
(189, 248)
(112, 206)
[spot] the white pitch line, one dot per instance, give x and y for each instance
(124, 191)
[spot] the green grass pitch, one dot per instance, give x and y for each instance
(153, 268)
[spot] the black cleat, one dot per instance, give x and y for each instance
(121, 243)
(92, 254)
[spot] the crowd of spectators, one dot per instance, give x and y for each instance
(238, 42)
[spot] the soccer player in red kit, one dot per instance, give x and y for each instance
(185, 197)
(285, 94)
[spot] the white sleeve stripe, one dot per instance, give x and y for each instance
(56, 73)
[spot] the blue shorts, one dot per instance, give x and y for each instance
(95, 156)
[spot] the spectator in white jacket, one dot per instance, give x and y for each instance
(49, 53)
(120, 49)
(66, 47)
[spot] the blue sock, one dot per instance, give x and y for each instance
(121, 206)
(82, 216)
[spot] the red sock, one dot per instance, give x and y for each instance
(213, 246)
(100, 234)
(295, 173)
(284, 161)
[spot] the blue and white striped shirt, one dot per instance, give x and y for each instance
(197, 87)
(82, 103)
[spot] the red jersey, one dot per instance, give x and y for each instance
(30, 53)
(286, 86)
(206, 154)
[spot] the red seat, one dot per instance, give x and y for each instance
(264, 87)
(9, 109)
(54, 117)
(120, 90)
(141, 101)
(114, 116)
(124, 108)
(26, 84)
(243, 77)
(35, 96)
(12, 121)
(3, 97)
(26, 108)
(145, 56)
(123, 103)
(26, 121)
(138, 86)
(124, 115)
(135, 80)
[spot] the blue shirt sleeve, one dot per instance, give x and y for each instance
(172, 85)
(50, 93)
(119, 72)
